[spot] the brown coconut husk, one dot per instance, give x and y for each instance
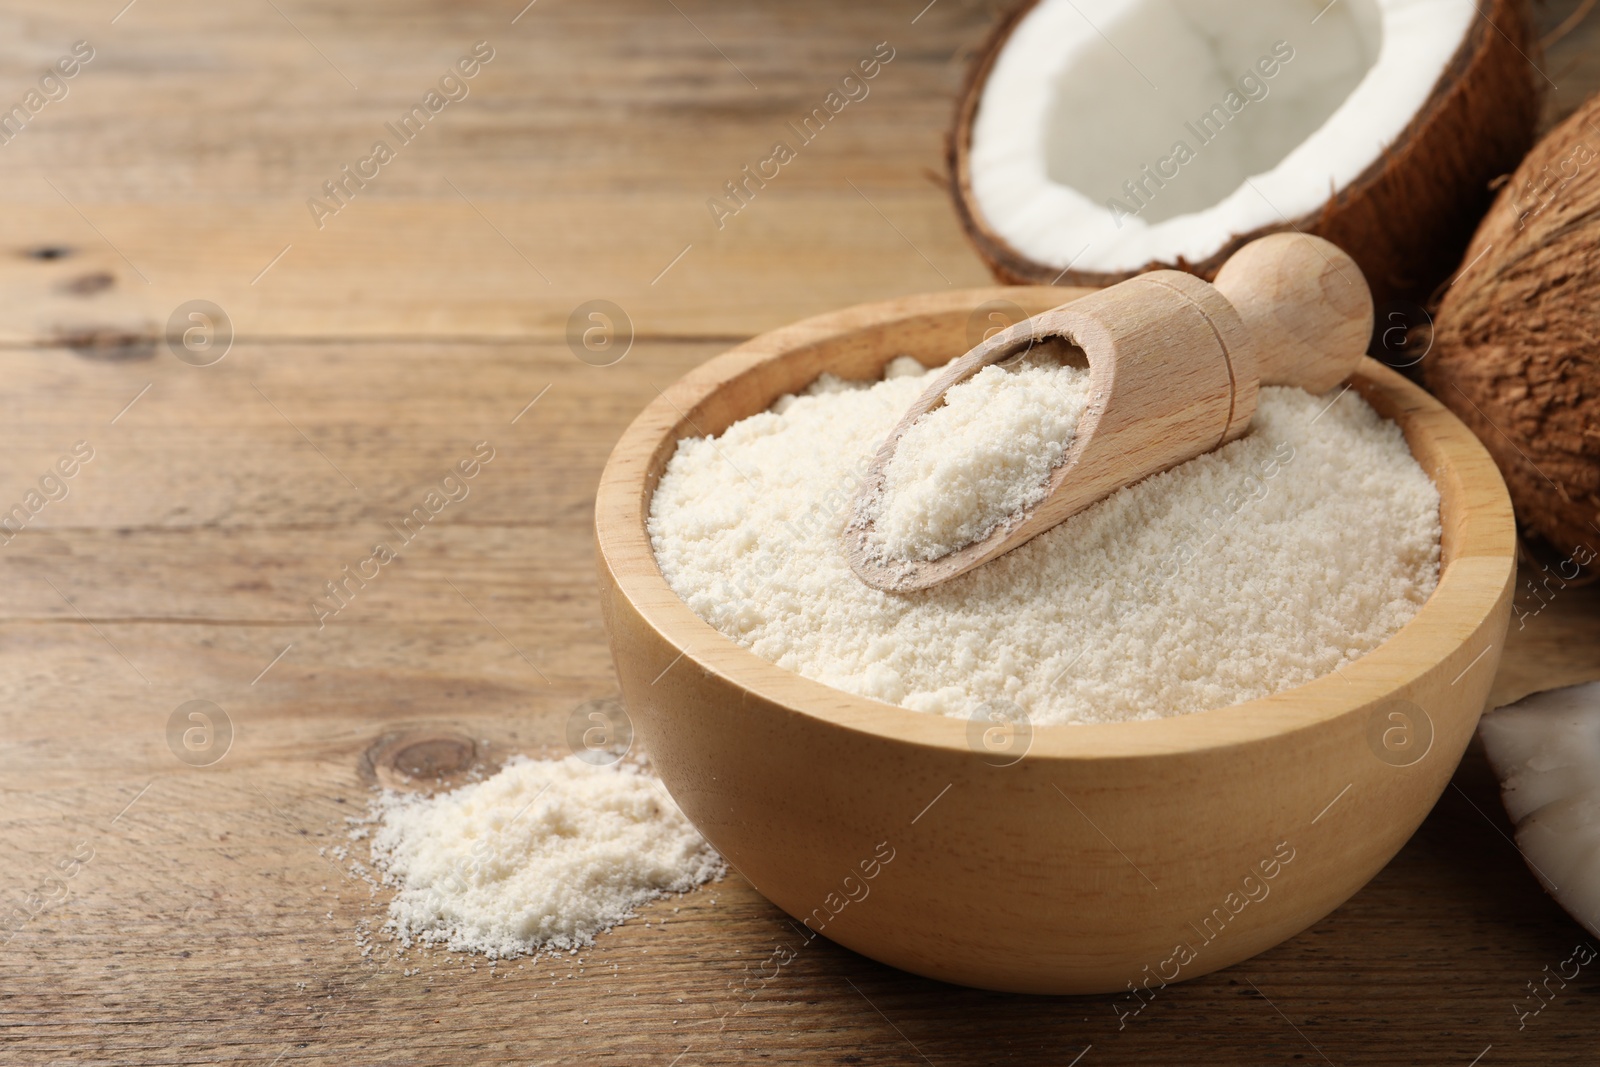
(1517, 339)
(1406, 218)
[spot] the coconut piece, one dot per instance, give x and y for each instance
(1545, 749)
(1377, 124)
(1516, 345)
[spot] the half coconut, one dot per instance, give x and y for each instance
(1097, 139)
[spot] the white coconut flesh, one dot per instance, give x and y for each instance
(1546, 751)
(1088, 96)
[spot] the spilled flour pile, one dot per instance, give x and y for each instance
(1272, 561)
(542, 856)
(982, 456)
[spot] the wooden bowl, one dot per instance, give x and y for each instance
(1114, 857)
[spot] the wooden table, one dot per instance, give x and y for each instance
(213, 920)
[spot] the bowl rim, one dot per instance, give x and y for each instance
(1477, 565)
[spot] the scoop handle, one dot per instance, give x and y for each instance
(1306, 305)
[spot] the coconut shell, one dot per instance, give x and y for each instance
(1404, 220)
(1516, 349)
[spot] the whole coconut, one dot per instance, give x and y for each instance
(1517, 337)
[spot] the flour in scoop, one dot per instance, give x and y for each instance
(542, 856)
(1270, 562)
(979, 459)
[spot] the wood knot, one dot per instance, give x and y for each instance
(89, 284)
(424, 758)
(106, 344)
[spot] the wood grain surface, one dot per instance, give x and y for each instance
(212, 921)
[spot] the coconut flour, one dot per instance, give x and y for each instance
(981, 457)
(1269, 562)
(542, 856)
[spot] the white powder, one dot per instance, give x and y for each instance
(542, 856)
(1263, 565)
(981, 457)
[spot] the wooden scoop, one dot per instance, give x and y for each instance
(1175, 363)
